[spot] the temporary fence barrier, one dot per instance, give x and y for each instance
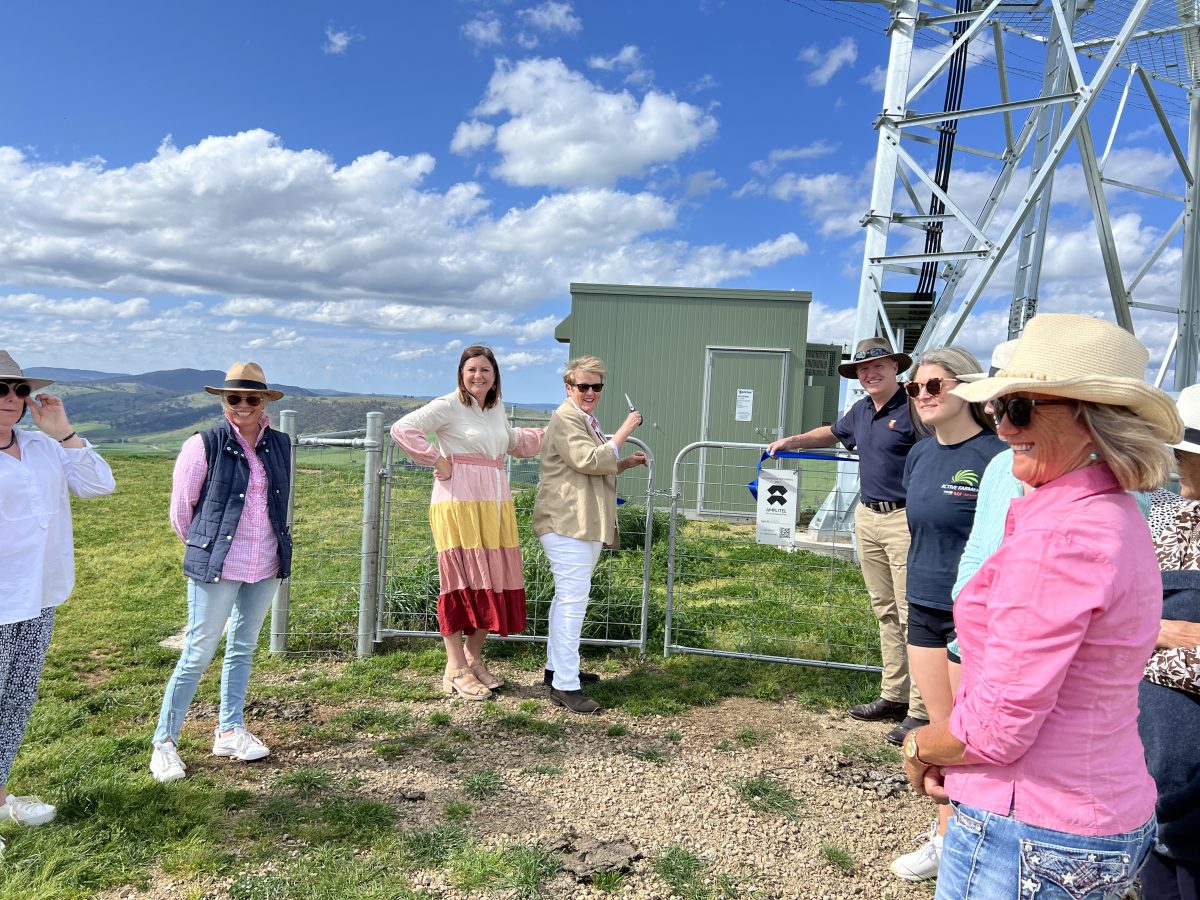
(365, 568)
(728, 595)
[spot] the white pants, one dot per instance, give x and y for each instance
(571, 562)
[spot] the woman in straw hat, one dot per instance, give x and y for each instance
(38, 471)
(229, 498)
(481, 579)
(1041, 755)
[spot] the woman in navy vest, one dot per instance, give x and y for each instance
(229, 506)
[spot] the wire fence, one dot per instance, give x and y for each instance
(688, 570)
(729, 595)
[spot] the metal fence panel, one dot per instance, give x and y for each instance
(408, 585)
(727, 595)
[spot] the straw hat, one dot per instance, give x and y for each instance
(1189, 410)
(1000, 357)
(247, 376)
(10, 371)
(1083, 359)
(867, 350)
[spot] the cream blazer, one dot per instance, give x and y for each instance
(577, 494)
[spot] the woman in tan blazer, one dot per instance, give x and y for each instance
(574, 515)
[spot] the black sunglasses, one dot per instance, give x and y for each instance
(1020, 409)
(584, 388)
(933, 387)
(872, 353)
(20, 388)
(239, 399)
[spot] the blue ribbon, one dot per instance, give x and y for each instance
(783, 454)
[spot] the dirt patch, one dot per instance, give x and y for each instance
(615, 791)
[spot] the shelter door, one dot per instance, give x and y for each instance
(745, 391)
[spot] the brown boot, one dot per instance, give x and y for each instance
(574, 701)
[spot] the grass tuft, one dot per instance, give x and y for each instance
(838, 857)
(769, 795)
(482, 784)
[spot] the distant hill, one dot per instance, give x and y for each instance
(159, 410)
(68, 374)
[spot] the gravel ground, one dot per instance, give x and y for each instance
(667, 781)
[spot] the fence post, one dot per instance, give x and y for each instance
(369, 572)
(281, 603)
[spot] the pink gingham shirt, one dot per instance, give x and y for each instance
(1055, 630)
(254, 553)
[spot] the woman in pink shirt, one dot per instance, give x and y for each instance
(1041, 755)
(229, 500)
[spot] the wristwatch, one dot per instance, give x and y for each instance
(911, 750)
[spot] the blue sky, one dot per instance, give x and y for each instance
(350, 192)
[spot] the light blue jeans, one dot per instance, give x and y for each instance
(990, 857)
(244, 605)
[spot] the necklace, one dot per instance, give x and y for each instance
(12, 440)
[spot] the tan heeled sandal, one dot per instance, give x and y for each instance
(485, 677)
(464, 683)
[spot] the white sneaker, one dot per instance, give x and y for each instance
(240, 744)
(27, 810)
(165, 764)
(923, 862)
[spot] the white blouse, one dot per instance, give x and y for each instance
(37, 553)
(462, 429)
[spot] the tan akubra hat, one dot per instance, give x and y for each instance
(247, 376)
(10, 371)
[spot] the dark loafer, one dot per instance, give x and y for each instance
(878, 710)
(574, 701)
(584, 677)
(896, 735)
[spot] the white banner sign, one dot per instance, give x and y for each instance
(778, 492)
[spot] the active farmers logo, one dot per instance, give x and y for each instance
(967, 477)
(963, 483)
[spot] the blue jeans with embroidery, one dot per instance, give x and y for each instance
(990, 857)
(244, 605)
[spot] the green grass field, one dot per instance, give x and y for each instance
(264, 832)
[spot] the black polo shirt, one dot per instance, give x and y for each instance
(883, 438)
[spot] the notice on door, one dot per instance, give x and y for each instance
(777, 494)
(743, 408)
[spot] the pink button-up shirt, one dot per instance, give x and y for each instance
(254, 553)
(1055, 630)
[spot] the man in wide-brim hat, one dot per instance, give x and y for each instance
(880, 428)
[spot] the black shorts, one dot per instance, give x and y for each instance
(929, 626)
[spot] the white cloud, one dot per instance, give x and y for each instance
(551, 18)
(338, 40)
(80, 309)
(279, 339)
(628, 60)
(484, 30)
(471, 136)
(827, 64)
(777, 157)
(701, 183)
(565, 131)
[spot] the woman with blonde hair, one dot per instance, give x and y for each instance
(575, 514)
(941, 482)
(480, 575)
(1041, 756)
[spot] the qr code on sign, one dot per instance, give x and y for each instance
(784, 531)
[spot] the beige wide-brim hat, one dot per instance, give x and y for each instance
(10, 371)
(1082, 358)
(247, 376)
(863, 353)
(1188, 405)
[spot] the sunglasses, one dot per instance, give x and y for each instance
(584, 388)
(872, 353)
(20, 388)
(1020, 409)
(933, 387)
(238, 399)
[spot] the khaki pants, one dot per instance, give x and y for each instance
(883, 555)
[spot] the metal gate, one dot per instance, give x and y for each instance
(727, 595)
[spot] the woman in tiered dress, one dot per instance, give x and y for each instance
(482, 584)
